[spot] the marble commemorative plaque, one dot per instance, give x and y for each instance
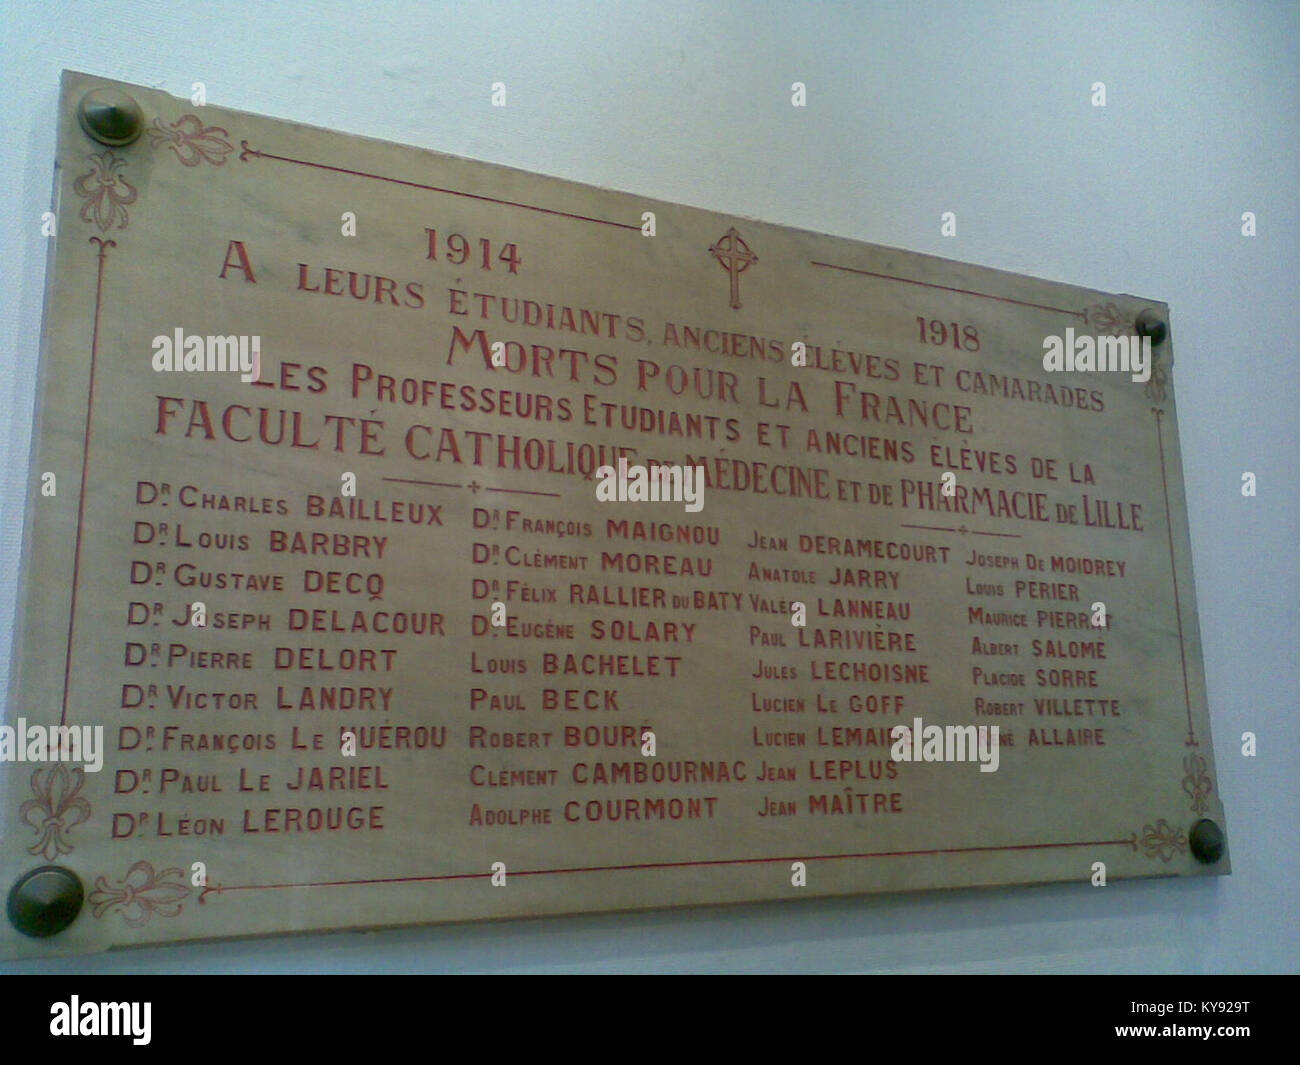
(412, 539)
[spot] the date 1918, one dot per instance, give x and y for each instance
(939, 333)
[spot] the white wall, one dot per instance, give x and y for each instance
(981, 108)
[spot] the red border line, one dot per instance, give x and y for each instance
(431, 484)
(1130, 842)
(104, 245)
(525, 492)
(972, 532)
(1173, 569)
(447, 484)
(247, 151)
(949, 288)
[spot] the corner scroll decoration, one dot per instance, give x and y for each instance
(1155, 389)
(56, 810)
(1109, 319)
(1160, 840)
(1197, 783)
(104, 186)
(192, 141)
(106, 192)
(143, 893)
